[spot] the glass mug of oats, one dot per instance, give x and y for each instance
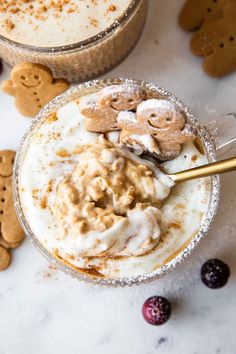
(106, 212)
(77, 40)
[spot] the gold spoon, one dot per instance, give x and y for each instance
(205, 170)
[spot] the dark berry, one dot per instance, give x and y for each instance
(156, 310)
(215, 273)
(1, 66)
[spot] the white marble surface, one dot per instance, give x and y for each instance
(43, 311)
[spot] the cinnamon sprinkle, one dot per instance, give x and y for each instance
(9, 24)
(37, 9)
(44, 203)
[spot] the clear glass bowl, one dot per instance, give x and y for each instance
(153, 91)
(89, 58)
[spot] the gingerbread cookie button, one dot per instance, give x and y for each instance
(5, 258)
(33, 86)
(216, 42)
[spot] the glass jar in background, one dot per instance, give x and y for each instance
(89, 58)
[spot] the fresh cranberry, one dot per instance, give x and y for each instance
(215, 273)
(156, 310)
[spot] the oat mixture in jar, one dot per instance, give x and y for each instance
(106, 207)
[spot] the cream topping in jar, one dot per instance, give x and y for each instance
(109, 205)
(27, 22)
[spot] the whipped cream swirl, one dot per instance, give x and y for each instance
(109, 205)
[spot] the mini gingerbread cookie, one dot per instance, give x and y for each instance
(10, 229)
(101, 115)
(11, 234)
(5, 258)
(164, 121)
(33, 86)
(196, 13)
(216, 42)
(6, 162)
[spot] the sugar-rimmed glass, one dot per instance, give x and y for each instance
(89, 58)
(210, 146)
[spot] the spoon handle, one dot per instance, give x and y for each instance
(206, 170)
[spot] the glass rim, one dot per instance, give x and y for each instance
(81, 45)
(186, 251)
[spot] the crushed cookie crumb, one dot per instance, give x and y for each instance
(9, 24)
(52, 117)
(63, 153)
(49, 187)
(44, 203)
(111, 8)
(194, 158)
(94, 22)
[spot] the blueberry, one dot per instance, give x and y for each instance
(215, 273)
(156, 310)
(1, 66)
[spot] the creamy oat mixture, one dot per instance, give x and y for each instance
(100, 209)
(109, 205)
(49, 23)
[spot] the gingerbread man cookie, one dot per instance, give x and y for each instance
(196, 13)
(11, 234)
(101, 115)
(9, 225)
(216, 42)
(164, 121)
(33, 86)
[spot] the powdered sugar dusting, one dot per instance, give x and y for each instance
(159, 106)
(127, 89)
(126, 116)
